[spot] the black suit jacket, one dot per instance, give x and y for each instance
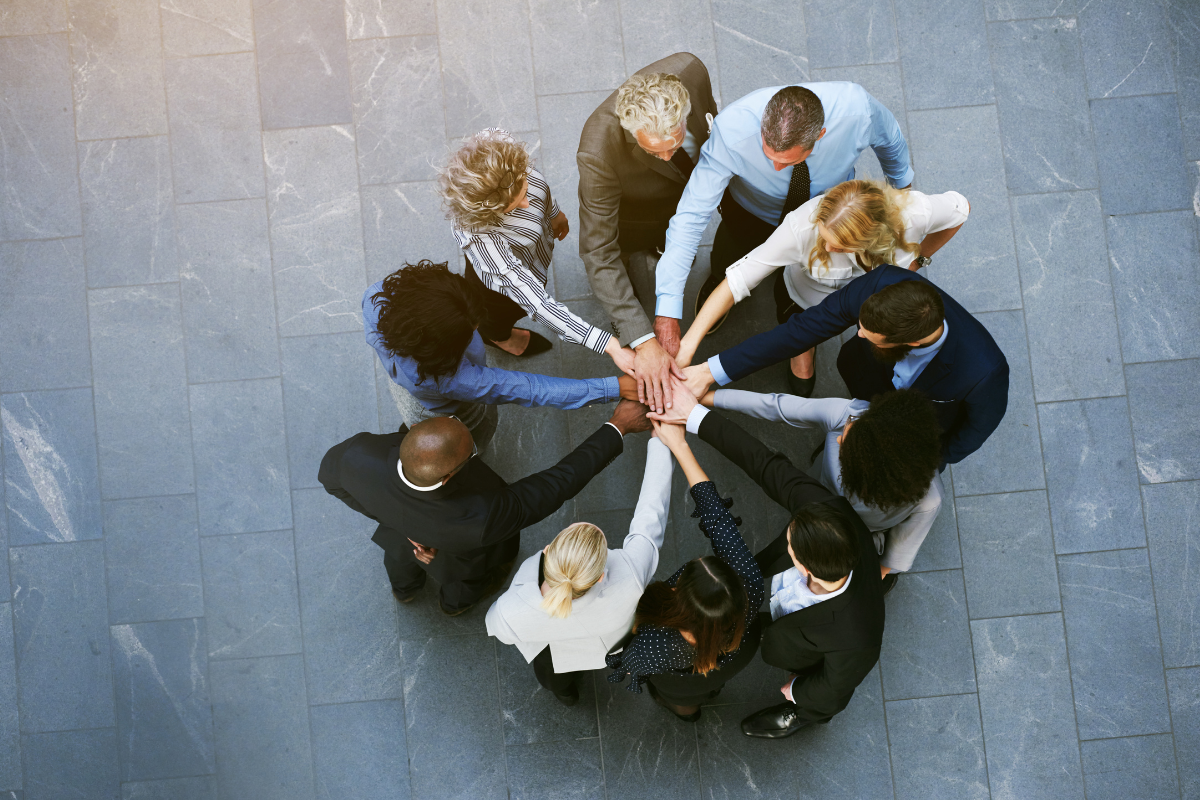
(473, 512)
(967, 380)
(832, 645)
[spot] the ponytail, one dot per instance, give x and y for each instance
(572, 564)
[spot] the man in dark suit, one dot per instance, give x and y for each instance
(911, 335)
(629, 184)
(826, 597)
(444, 512)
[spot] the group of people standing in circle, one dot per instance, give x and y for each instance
(927, 386)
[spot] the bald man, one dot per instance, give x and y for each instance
(443, 512)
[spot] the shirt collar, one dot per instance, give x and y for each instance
(935, 346)
(410, 484)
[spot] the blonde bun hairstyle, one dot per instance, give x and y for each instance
(573, 563)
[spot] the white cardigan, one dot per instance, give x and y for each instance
(603, 616)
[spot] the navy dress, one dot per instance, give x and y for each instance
(661, 655)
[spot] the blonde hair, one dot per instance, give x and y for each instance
(482, 178)
(574, 562)
(654, 104)
(864, 216)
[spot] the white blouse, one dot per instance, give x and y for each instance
(792, 241)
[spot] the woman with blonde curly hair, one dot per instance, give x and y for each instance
(828, 242)
(506, 221)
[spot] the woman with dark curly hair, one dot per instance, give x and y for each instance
(883, 457)
(422, 321)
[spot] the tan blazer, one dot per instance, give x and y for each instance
(604, 615)
(627, 197)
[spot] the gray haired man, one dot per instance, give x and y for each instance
(635, 156)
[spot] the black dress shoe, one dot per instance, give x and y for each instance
(889, 582)
(454, 612)
(708, 288)
(537, 344)
(685, 717)
(801, 387)
(568, 699)
(775, 722)
(404, 598)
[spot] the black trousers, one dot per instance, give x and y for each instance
(554, 682)
(695, 689)
(502, 311)
(464, 579)
(738, 234)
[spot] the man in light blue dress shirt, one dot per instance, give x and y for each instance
(752, 167)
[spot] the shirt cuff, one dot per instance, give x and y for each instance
(718, 372)
(615, 428)
(695, 418)
(904, 180)
(669, 305)
(640, 340)
(737, 283)
(602, 340)
(612, 389)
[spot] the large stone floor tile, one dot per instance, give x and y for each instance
(576, 48)
(200, 788)
(23, 17)
(1156, 282)
(941, 550)
(414, 208)
(1184, 688)
(1008, 555)
(302, 69)
(206, 27)
(216, 142)
(128, 211)
(927, 643)
(1183, 18)
(1028, 9)
(227, 289)
(60, 619)
(1173, 528)
(350, 736)
(938, 40)
(960, 149)
(1140, 766)
(841, 34)
(937, 748)
(40, 195)
(75, 764)
(1140, 171)
(1091, 475)
(351, 640)
(455, 741)
(43, 302)
(555, 769)
(759, 44)
(250, 595)
(241, 457)
(1042, 99)
(531, 714)
(152, 553)
(734, 765)
(116, 51)
(1166, 432)
(10, 729)
(1119, 691)
(164, 720)
(656, 30)
(143, 425)
(1126, 47)
(260, 717)
(52, 485)
(328, 395)
(1073, 342)
(1025, 702)
(316, 229)
(371, 19)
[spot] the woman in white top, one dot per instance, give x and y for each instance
(828, 242)
(506, 221)
(883, 457)
(574, 601)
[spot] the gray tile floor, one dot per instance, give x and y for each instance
(194, 194)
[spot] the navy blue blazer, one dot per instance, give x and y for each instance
(967, 380)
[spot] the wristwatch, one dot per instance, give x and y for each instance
(922, 261)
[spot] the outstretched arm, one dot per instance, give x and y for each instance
(649, 523)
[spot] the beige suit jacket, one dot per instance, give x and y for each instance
(627, 197)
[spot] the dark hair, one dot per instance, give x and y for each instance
(428, 314)
(793, 117)
(709, 602)
(823, 540)
(890, 454)
(904, 312)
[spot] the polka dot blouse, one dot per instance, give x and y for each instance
(654, 650)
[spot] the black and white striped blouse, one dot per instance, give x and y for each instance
(513, 258)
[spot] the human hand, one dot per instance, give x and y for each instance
(422, 553)
(623, 357)
(687, 351)
(678, 413)
(629, 387)
(560, 227)
(666, 330)
(654, 369)
(630, 417)
(787, 689)
(698, 379)
(670, 435)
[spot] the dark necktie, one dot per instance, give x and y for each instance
(797, 190)
(683, 162)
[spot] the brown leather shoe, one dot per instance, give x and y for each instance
(401, 598)
(454, 612)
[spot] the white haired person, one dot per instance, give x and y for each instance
(572, 602)
(506, 221)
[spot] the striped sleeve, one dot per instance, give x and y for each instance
(506, 274)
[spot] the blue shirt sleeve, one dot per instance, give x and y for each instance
(889, 145)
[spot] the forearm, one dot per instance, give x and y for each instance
(800, 412)
(611, 285)
(494, 386)
(688, 463)
(935, 241)
(715, 307)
